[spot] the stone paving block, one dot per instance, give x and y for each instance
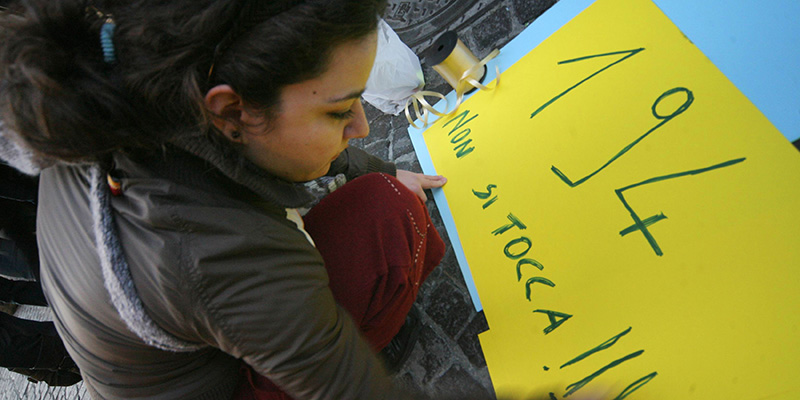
(493, 28)
(379, 148)
(14, 387)
(450, 308)
(469, 342)
(451, 268)
(457, 383)
(525, 11)
(435, 354)
(401, 142)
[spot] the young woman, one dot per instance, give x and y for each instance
(172, 253)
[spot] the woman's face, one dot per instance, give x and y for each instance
(316, 118)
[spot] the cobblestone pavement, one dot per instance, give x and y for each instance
(447, 361)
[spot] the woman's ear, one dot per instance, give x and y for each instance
(227, 109)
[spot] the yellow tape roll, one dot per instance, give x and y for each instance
(459, 67)
(451, 58)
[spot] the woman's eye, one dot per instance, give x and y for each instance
(342, 115)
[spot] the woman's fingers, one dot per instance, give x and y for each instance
(433, 181)
(417, 183)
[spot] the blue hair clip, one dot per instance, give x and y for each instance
(106, 41)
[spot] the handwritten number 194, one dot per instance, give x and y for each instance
(641, 225)
(664, 119)
(629, 54)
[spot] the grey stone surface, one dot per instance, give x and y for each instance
(447, 362)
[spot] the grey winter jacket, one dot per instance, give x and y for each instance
(221, 273)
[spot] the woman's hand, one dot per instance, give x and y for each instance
(419, 182)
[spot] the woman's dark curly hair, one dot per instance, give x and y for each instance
(60, 96)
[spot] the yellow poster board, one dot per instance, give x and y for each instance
(629, 217)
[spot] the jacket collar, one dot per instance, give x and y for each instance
(269, 187)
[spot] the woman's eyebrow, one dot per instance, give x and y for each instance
(353, 95)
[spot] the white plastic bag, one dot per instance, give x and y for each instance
(396, 75)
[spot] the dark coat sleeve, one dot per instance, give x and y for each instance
(265, 299)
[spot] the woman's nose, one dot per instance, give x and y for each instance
(358, 126)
